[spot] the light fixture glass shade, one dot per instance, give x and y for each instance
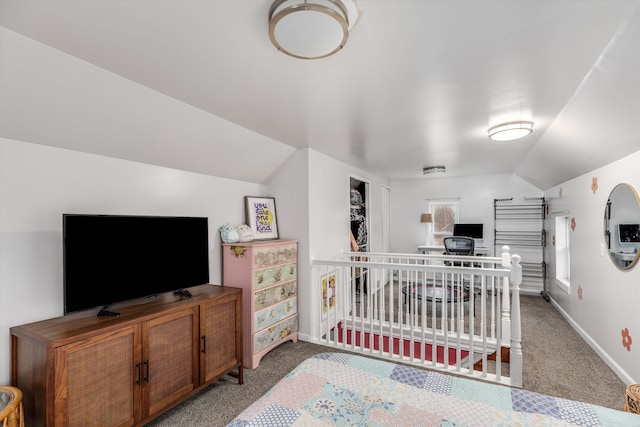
(510, 131)
(426, 217)
(311, 29)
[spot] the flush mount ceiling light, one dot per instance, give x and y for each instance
(311, 29)
(510, 131)
(433, 169)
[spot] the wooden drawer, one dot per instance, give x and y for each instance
(273, 334)
(274, 255)
(275, 294)
(274, 314)
(271, 276)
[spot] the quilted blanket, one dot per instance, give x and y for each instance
(339, 389)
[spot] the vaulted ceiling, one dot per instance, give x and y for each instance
(417, 84)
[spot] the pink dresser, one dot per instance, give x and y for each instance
(267, 272)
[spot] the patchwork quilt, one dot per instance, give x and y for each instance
(339, 389)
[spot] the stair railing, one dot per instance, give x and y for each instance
(459, 314)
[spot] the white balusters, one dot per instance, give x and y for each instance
(411, 308)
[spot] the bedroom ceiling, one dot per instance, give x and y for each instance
(417, 84)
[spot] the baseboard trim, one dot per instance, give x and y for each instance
(305, 337)
(626, 378)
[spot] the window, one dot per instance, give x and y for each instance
(563, 270)
(445, 215)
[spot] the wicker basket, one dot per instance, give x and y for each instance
(632, 401)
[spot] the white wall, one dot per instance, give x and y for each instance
(603, 300)
(39, 183)
(476, 195)
(290, 187)
(329, 220)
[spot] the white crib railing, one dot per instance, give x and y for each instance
(451, 313)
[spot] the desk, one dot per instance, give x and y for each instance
(478, 250)
(623, 259)
(427, 249)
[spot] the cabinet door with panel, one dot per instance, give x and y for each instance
(93, 381)
(220, 332)
(169, 364)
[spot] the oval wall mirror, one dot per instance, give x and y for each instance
(622, 226)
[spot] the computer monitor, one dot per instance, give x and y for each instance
(628, 235)
(470, 230)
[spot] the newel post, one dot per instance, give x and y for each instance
(516, 329)
(505, 316)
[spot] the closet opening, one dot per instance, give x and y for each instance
(359, 224)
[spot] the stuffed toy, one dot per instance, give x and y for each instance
(229, 234)
(245, 233)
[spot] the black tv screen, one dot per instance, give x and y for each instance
(469, 230)
(113, 258)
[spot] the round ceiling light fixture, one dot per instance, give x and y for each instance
(510, 131)
(311, 29)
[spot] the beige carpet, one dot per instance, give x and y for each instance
(557, 362)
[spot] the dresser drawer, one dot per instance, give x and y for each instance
(273, 334)
(274, 255)
(272, 315)
(271, 276)
(274, 295)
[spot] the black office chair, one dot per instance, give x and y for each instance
(459, 245)
(462, 246)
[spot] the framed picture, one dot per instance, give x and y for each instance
(328, 293)
(260, 215)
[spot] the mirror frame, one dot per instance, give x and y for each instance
(608, 232)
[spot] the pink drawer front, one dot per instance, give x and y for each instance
(271, 276)
(269, 316)
(274, 334)
(274, 255)
(274, 295)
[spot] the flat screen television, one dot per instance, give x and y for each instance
(113, 258)
(629, 235)
(469, 230)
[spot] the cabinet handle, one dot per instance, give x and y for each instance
(146, 377)
(204, 343)
(139, 366)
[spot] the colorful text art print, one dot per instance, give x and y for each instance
(262, 213)
(328, 293)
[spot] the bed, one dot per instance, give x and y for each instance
(348, 390)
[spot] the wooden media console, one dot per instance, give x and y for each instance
(88, 370)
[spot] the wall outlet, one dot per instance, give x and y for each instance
(601, 249)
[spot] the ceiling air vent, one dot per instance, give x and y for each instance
(433, 169)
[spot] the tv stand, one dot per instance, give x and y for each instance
(183, 292)
(104, 312)
(78, 368)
